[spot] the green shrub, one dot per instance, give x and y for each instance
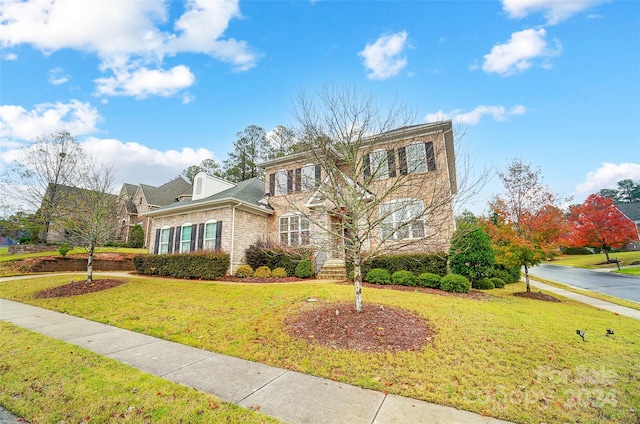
(304, 269)
(64, 249)
(262, 253)
(483, 284)
(575, 251)
(497, 282)
(262, 272)
(455, 283)
(403, 278)
(244, 271)
(417, 263)
(471, 253)
(427, 279)
(351, 276)
(136, 237)
(204, 266)
(379, 276)
(506, 273)
(279, 272)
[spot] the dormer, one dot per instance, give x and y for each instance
(205, 185)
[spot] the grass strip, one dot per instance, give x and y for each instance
(46, 380)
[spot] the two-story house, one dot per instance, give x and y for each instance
(396, 179)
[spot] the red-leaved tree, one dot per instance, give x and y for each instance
(599, 223)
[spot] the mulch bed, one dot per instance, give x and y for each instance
(75, 288)
(537, 296)
(377, 328)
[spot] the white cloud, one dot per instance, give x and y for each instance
(499, 113)
(136, 163)
(128, 39)
(76, 117)
(553, 10)
(144, 82)
(57, 76)
(607, 176)
(518, 53)
(384, 58)
(10, 56)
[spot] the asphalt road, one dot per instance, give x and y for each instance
(618, 285)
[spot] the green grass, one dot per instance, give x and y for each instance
(592, 261)
(508, 357)
(5, 256)
(629, 271)
(46, 380)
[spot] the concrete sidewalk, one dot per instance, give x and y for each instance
(286, 395)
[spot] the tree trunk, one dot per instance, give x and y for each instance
(357, 282)
(606, 254)
(526, 278)
(90, 262)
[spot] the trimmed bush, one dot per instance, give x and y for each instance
(497, 282)
(262, 253)
(244, 271)
(136, 237)
(378, 276)
(403, 278)
(483, 284)
(203, 266)
(455, 283)
(262, 272)
(279, 272)
(427, 279)
(304, 269)
(506, 273)
(417, 263)
(64, 249)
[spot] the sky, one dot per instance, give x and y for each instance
(156, 86)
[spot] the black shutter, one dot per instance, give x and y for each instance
(194, 227)
(298, 178)
(402, 156)
(200, 236)
(318, 175)
(391, 163)
(170, 244)
(367, 166)
(431, 157)
(178, 237)
(219, 235)
(156, 244)
(289, 180)
(272, 184)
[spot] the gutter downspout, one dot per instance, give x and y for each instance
(233, 236)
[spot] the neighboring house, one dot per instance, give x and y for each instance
(631, 210)
(231, 217)
(137, 200)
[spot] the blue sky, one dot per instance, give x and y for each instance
(157, 86)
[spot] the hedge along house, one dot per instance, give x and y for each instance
(399, 185)
(219, 215)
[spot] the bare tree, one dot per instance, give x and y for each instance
(375, 195)
(34, 180)
(90, 219)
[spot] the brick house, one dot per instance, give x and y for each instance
(291, 206)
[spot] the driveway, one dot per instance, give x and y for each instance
(618, 285)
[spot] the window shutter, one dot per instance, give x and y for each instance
(177, 239)
(402, 156)
(318, 175)
(391, 163)
(170, 244)
(298, 177)
(219, 235)
(272, 184)
(431, 158)
(367, 166)
(156, 244)
(200, 236)
(289, 180)
(193, 237)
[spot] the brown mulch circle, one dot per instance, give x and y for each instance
(537, 296)
(76, 288)
(473, 294)
(377, 328)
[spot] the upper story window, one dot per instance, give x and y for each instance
(416, 158)
(402, 219)
(198, 185)
(294, 230)
(299, 179)
(309, 181)
(163, 245)
(185, 237)
(210, 232)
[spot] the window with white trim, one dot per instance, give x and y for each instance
(379, 164)
(294, 230)
(402, 219)
(416, 158)
(163, 245)
(210, 228)
(185, 237)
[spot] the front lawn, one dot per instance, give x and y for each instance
(594, 261)
(513, 358)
